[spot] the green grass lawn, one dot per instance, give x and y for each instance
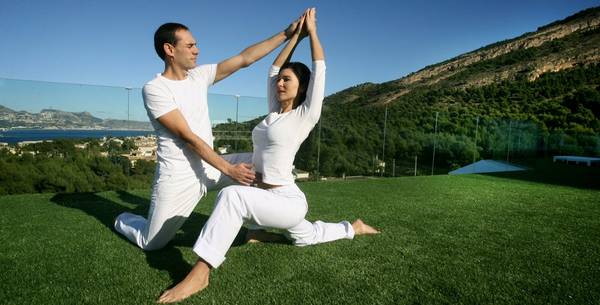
(471, 239)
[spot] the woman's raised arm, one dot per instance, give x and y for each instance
(286, 53)
(311, 27)
(283, 57)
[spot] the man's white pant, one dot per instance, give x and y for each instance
(282, 207)
(174, 197)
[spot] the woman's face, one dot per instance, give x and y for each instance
(287, 85)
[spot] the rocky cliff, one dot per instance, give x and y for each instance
(560, 45)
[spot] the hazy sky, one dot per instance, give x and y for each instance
(109, 42)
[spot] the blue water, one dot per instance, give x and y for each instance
(18, 135)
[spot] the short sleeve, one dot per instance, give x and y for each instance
(157, 101)
(205, 73)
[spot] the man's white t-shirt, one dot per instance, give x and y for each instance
(190, 96)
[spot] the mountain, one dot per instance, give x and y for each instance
(5, 110)
(69, 118)
(52, 118)
(571, 42)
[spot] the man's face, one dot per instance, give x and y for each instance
(185, 51)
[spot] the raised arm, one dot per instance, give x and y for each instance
(253, 53)
(311, 27)
(283, 57)
(316, 87)
(286, 53)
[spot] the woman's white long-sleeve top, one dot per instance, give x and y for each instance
(278, 137)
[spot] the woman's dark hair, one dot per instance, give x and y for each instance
(302, 72)
(166, 34)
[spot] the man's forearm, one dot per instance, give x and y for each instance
(257, 51)
(249, 56)
(209, 155)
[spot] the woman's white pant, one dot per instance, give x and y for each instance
(281, 207)
(174, 197)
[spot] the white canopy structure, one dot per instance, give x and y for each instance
(487, 166)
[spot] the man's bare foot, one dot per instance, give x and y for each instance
(193, 283)
(361, 228)
(257, 236)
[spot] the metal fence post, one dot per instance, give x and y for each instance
(434, 142)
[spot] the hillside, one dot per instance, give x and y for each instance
(5, 110)
(52, 118)
(571, 42)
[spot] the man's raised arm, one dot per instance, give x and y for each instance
(253, 53)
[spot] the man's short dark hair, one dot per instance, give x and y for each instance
(166, 34)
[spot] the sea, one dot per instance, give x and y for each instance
(13, 136)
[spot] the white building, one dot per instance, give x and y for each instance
(300, 174)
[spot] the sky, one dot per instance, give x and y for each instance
(81, 55)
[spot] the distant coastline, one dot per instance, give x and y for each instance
(64, 120)
(71, 128)
(16, 135)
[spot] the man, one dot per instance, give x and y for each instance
(176, 102)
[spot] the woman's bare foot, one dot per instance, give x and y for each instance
(193, 283)
(361, 228)
(257, 236)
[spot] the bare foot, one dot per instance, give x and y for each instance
(193, 283)
(257, 236)
(361, 228)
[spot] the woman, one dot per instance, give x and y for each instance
(295, 98)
